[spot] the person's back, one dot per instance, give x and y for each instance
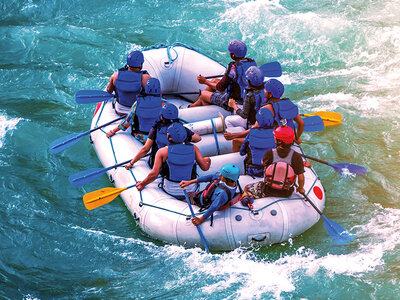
(128, 82)
(149, 106)
(284, 109)
(257, 142)
(283, 160)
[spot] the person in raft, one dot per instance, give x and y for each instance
(232, 84)
(157, 137)
(257, 142)
(218, 193)
(128, 82)
(144, 111)
(281, 166)
(237, 125)
(175, 162)
(283, 108)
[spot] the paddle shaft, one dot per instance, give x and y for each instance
(198, 227)
(213, 76)
(316, 159)
(323, 118)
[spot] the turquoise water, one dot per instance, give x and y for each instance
(341, 56)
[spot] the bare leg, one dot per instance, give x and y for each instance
(204, 99)
(236, 144)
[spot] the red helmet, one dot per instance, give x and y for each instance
(285, 134)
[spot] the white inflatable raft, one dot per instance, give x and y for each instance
(163, 217)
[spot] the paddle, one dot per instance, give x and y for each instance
(102, 196)
(87, 176)
(92, 96)
(337, 232)
(330, 118)
(312, 124)
(203, 240)
(272, 69)
(341, 168)
(68, 141)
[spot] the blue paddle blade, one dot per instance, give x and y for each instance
(65, 142)
(272, 69)
(85, 177)
(92, 96)
(312, 124)
(337, 232)
(346, 168)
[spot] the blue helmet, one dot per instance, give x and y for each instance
(152, 87)
(255, 76)
(238, 48)
(230, 171)
(275, 87)
(177, 133)
(169, 111)
(265, 118)
(135, 59)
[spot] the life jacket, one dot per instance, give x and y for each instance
(285, 109)
(259, 96)
(280, 174)
(128, 85)
(260, 140)
(208, 192)
(181, 163)
(147, 111)
(236, 89)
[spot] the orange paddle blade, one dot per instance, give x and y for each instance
(330, 118)
(100, 197)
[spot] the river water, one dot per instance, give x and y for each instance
(341, 56)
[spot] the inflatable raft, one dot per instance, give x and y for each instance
(273, 220)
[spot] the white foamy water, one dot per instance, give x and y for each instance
(7, 125)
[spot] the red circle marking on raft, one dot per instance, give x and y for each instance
(97, 108)
(318, 192)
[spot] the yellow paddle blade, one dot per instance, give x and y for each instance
(330, 118)
(100, 197)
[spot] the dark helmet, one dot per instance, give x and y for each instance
(177, 132)
(169, 111)
(135, 59)
(152, 87)
(275, 87)
(238, 48)
(255, 76)
(264, 117)
(230, 171)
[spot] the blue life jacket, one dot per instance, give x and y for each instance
(240, 78)
(147, 110)
(128, 85)
(181, 162)
(260, 140)
(161, 138)
(285, 109)
(259, 96)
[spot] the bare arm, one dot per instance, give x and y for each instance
(300, 188)
(211, 84)
(184, 183)
(195, 138)
(230, 136)
(145, 77)
(142, 152)
(160, 157)
(203, 162)
(300, 127)
(111, 83)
